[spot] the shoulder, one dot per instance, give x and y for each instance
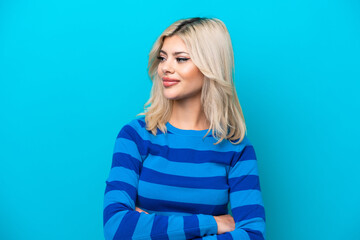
(135, 126)
(245, 142)
(244, 151)
(137, 123)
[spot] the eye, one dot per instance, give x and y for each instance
(182, 59)
(160, 58)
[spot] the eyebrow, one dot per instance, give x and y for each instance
(175, 53)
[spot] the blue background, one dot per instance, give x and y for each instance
(72, 73)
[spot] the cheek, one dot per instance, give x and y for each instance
(159, 70)
(192, 73)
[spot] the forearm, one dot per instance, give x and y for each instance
(130, 224)
(252, 231)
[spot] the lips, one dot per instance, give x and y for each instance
(167, 79)
(167, 82)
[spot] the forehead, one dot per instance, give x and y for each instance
(173, 43)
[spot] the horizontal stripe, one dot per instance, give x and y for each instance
(144, 225)
(137, 137)
(126, 146)
(225, 236)
(125, 160)
(166, 213)
(207, 224)
(240, 234)
(112, 209)
(253, 223)
(152, 176)
(118, 185)
(161, 143)
(248, 212)
(127, 225)
(244, 183)
(245, 197)
(163, 165)
(174, 141)
(191, 222)
(111, 225)
(191, 155)
(159, 228)
(247, 153)
(170, 206)
(140, 125)
(241, 168)
(120, 196)
(175, 226)
(254, 235)
(174, 176)
(124, 175)
(182, 195)
(159, 146)
(177, 141)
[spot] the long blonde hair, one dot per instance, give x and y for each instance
(209, 45)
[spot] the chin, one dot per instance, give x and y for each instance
(171, 97)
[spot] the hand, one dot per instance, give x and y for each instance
(140, 210)
(225, 223)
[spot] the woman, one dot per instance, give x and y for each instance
(178, 170)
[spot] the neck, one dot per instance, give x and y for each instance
(189, 114)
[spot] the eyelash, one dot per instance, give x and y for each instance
(178, 59)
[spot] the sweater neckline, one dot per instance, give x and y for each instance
(186, 132)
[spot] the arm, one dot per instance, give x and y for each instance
(121, 220)
(245, 199)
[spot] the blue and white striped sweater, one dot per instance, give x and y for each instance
(182, 180)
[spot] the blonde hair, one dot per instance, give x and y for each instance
(209, 45)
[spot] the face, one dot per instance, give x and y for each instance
(180, 77)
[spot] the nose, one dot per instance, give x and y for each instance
(167, 67)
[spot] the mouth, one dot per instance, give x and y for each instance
(167, 79)
(168, 82)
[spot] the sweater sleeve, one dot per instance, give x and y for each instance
(121, 220)
(245, 199)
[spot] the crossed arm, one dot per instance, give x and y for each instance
(122, 220)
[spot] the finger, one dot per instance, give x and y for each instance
(140, 210)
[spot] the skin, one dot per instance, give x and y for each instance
(187, 111)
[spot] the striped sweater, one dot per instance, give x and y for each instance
(182, 180)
